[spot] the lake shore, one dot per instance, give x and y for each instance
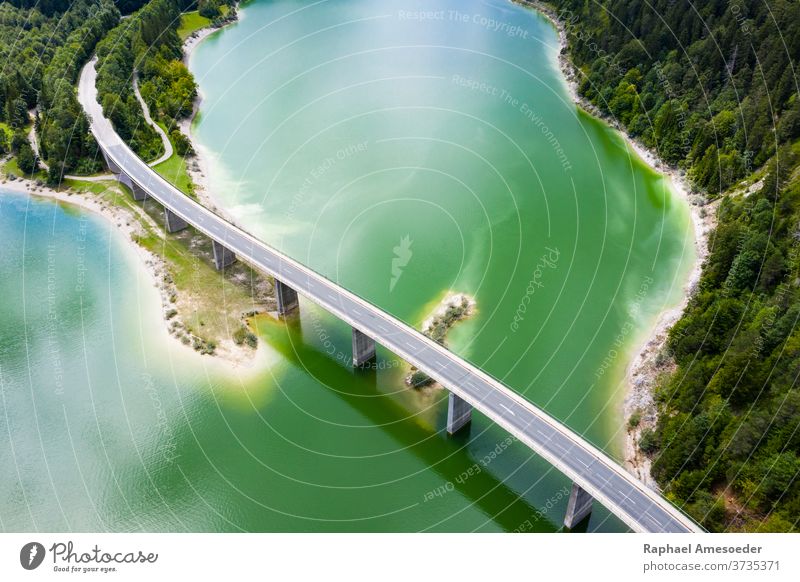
(199, 168)
(645, 367)
(180, 265)
(122, 220)
(134, 224)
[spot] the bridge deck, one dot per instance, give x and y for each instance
(639, 507)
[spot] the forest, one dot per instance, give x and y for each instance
(709, 85)
(712, 88)
(62, 127)
(146, 46)
(41, 67)
(38, 73)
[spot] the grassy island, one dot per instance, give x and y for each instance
(452, 309)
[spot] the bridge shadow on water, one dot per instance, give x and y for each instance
(374, 394)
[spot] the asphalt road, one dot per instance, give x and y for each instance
(639, 507)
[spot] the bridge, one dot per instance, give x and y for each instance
(594, 475)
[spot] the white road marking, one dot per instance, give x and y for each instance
(511, 412)
(653, 519)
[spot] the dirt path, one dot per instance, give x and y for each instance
(164, 138)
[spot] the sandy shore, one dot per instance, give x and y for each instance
(195, 39)
(646, 366)
(127, 222)
(132, 223)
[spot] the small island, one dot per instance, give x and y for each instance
(454, 307)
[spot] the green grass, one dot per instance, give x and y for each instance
(7, 128)
(173, 170)
(11, 167)
(99, 188)
(191, 22)
(209, 303)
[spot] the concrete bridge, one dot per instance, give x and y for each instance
(594, 475)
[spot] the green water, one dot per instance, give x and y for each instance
(336, 131)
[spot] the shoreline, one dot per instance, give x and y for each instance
(199, 166)
(124, 222)
(130, 223)
(134, 223)
(645, 366)
(453, 308)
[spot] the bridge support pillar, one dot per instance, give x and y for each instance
(363, 348)
(459, 413)
(578, 508)
(287, 298)
(173, 222)
(111, 165)
(139, 193)
(223, 256)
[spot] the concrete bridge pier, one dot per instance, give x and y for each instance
(287, 298)
(578, 508)
(459, 413)
(363, 348)
(114, 168)
(173, 222)
(139, 193)
(223, 256)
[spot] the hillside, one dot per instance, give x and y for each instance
(712, 88)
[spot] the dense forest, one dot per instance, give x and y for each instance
(62, 127)
(42, 55)
(45, 44)
(50, 7)
(711, 86)
(145, 43)
(147, 46)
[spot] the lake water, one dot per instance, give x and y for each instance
(406, 150)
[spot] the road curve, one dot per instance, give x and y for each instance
(161, 133)
(641, 508)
